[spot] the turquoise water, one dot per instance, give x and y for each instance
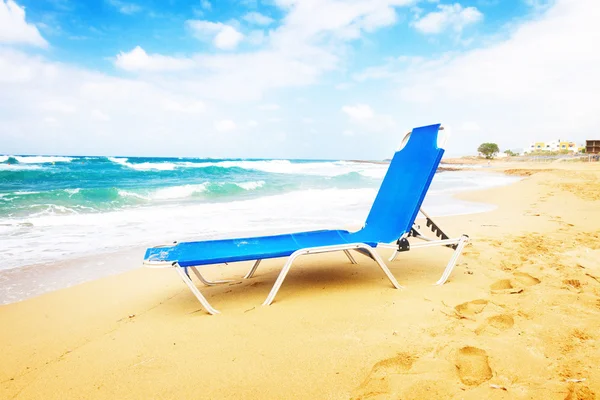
(38, 185)
(54, 208)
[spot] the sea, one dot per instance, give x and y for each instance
(56, 208)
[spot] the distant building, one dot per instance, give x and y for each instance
(555, 145)
(592, 146)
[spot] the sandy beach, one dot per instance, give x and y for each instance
(518, 319)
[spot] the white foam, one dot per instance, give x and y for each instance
(4, 158)
(54, 234)
(51, 210)
(18, 167)
(178, 192)
(125, 193)
(42, 159)
(72, 191)
(322, 168)
(60, 232)
(122, 161)
(146, 166)
(24, 193)
(251, 185)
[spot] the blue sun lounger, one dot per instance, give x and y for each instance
(389, 224)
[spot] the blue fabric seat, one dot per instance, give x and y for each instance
(393, 213)
(232, 250)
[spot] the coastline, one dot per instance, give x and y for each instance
(22, 282)
(518, 318)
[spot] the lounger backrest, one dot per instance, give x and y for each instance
(404, 186)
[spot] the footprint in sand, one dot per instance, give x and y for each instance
(515, 285)
(377, 383)
(525, 279)
(573, 285)
(579, 392)
(502, 321)
(472, 366)
(395, 365)
(504, 286)
(470, 308)
(581, 335)
(496, 323)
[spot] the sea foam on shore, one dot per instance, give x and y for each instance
(72, 219)
(75, 206)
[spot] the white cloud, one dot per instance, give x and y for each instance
(269, 107)
(359, 112)
(453, 17)
(252, 123)
(469, 126)
(343, 86)
(166, 107)
(364, 116)
(58, 106)
(256, 37)
(224, 125)
(15, 29)
(311, 18)
(47, 108)
(541, 82)
(539, 5)
(50, 121)
(138, 60)
(296, 53)
(205, 4)
(124, 7)
(223, 36)
(98, 115)
(228, 38)
(190, 107)
(257, 18)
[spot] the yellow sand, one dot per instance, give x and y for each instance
(519, 318)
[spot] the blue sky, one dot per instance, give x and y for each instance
(292, 78)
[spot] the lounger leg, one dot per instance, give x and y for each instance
(206, 281)
(281, 277)
(352, 260)
(252, 270)
(286, 268)
(393, 257)
(384, 267)
(186, 279)
(463, 241)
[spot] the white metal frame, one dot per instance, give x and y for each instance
(457, 243)
(184, 274)
(327, 249)
(363, 248)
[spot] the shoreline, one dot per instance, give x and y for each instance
(526, 289)
(27, 281)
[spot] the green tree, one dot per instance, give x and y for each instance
(510, 153)
(489, 150)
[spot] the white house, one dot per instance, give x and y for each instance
(555, 145)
